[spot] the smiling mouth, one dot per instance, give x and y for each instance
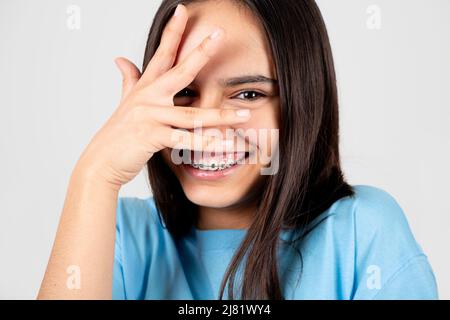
(218, 161)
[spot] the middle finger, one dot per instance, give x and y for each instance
(182, 75)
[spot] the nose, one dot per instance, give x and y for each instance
(209, 98)
(212, 100)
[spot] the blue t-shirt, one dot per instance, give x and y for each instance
(360, 248)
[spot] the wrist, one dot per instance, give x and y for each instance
(86, 175)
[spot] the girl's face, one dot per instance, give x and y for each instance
(245, 52)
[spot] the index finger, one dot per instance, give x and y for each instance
(190, 117)
(183, 74)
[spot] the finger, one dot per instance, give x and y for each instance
(130, 75)
(189, 117)
(166, 53)
(183, 139)
(182, 75)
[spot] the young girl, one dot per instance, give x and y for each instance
(219, 225)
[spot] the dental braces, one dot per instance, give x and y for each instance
(213, 166)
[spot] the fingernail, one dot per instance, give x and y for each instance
(243, 113)
(177, 11)
(216, 34)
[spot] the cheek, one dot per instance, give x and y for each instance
(263, 117)
(262, 128)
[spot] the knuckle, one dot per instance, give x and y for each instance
(185, 71)
(203, 49)
(161, 52)
(190, 113)
(161, 62)
(172, 31)
(167, 90)
(224, 114)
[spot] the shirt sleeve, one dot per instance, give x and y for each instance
(118, 286)
(390, 263)
(413, 281)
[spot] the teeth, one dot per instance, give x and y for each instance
(213, 165)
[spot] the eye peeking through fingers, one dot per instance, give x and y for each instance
(185, 92)
(245, 95)
(254, 94)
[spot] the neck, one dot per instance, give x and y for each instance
(224, 218)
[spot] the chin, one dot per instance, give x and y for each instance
(205, 196)
(220, 192)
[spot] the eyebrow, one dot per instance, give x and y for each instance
(232, 82)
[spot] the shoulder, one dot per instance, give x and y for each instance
(373, 212)
(376, 218)
(136, 216)
(377, 206)
(383, 245)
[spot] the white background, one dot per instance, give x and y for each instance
(58, 86)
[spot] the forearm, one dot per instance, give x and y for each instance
(84, 241)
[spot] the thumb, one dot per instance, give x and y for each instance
(130, 75)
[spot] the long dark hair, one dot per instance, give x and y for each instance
(309, 178)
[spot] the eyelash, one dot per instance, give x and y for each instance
(261, 95)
